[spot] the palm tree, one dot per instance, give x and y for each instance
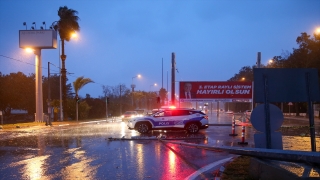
(66, 26)
(77, 85)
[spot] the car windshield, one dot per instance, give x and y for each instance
(195, 111)
(140, 111)
(130, 112)
(158, 114)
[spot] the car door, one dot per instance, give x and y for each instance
(179, 117)
(163, 119)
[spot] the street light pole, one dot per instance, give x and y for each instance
(64, 80)
(133, 86)
(60, 89)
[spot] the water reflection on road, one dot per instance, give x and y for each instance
(85, 152)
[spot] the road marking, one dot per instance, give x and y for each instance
(206, 168)
(92, 122)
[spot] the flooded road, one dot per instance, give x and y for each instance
(87, 151)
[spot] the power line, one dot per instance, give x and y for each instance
(44, 67)
(27, 62)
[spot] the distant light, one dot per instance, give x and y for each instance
(270, 61)
(74, 35)
(29, 50)
(318, 30)
(139, 76)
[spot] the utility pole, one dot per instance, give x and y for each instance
(162, 74)
(167, 90)
(120, 101)
(48, 122)
(106, 105)
(253, 105)
(173, 69)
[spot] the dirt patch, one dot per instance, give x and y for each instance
(298, 131)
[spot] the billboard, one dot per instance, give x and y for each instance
(38, 39)
(206, 90)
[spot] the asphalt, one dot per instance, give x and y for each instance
(266, 168)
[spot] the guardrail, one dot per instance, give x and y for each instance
(275, 154)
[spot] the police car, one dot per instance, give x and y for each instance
(167, 119)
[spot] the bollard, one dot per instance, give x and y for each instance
(233, 127)
(242, 136)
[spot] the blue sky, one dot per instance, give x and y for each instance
(212, 39)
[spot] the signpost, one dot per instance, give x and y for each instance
(286, 85)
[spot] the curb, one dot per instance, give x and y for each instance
(218, 173)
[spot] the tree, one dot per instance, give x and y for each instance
(77, 85)
(66, 26)
(17, 91)
(119, 98)
(163, 95)
(306, 56)
(97, 107)
(244, 74)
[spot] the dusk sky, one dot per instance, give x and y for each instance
(118, 39)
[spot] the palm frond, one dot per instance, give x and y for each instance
(80, 82)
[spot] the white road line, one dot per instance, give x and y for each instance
(206, 168)
(92, 122)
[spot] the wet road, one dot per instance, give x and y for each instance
(84, 151)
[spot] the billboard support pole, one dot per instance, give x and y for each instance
(39, 101)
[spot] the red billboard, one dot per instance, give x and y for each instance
(198, 90)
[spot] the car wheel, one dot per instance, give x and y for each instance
(143, 128)
(192, 128)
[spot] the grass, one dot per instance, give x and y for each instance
(238, 169)
(31, 124)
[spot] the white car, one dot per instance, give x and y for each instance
(167, 119)
(129, 114)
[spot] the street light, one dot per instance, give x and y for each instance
(270, 61)
(133, 86)
(155, 84)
